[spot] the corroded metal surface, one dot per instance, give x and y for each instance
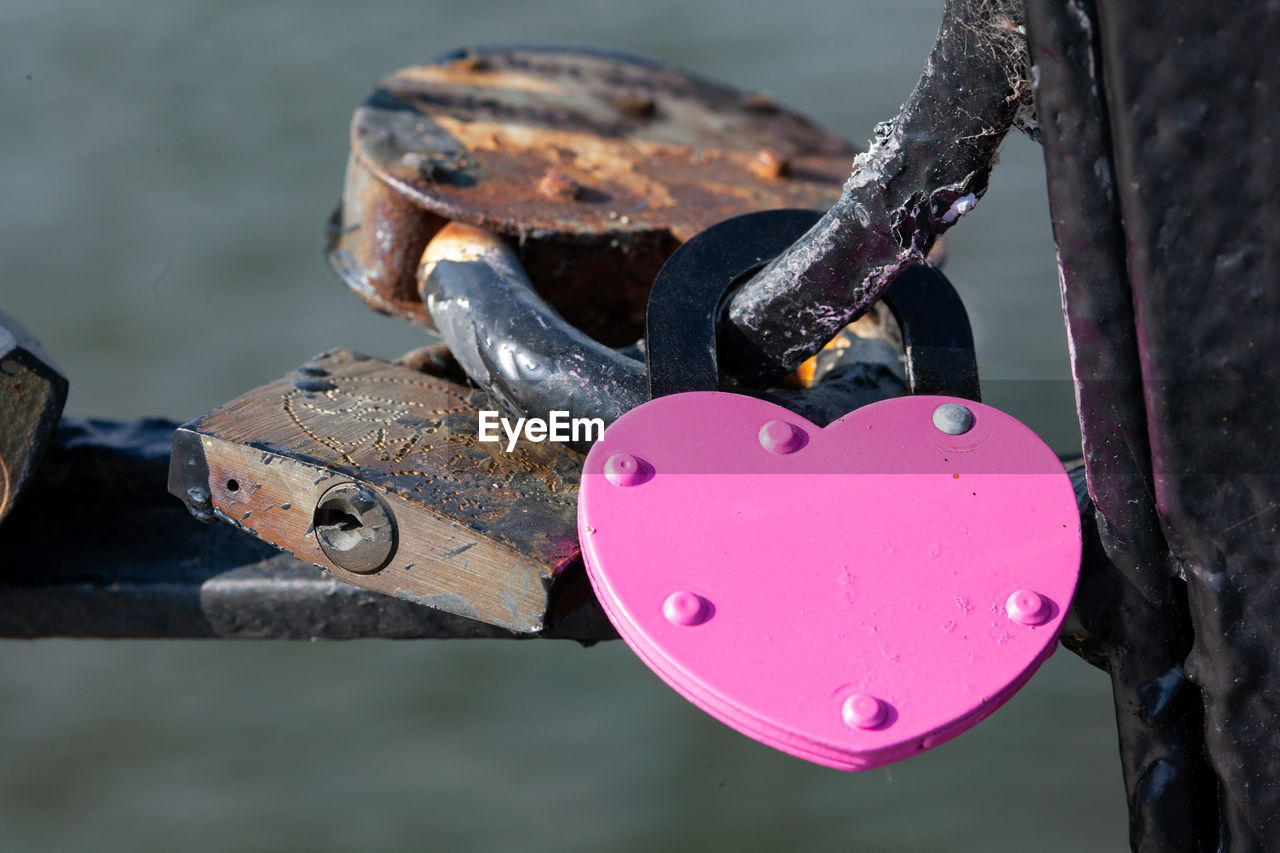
(481, 532)
(926, 168)
(32, 392)
(599, 163)
(376, 238)
(541, 142)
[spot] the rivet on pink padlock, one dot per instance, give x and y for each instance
(851, 595)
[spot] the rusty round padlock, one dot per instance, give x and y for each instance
(597, 163)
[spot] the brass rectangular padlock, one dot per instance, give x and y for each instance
(374, 472)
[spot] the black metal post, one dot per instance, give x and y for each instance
(1160, 133)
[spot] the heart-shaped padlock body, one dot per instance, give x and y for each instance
(850, 595)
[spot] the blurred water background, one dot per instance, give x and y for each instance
(165, 173)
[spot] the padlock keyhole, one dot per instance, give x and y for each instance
(354, 528)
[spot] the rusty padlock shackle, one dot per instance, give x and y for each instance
(688, 296)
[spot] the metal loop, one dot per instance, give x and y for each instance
(687, 297)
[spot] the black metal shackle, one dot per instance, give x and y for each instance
(688, 297)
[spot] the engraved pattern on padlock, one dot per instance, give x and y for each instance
(851, 595)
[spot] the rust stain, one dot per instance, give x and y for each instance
(558, 186)
(558, 149)
(771, 165)
(647, 138)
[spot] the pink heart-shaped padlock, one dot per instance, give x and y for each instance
(850, 595)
